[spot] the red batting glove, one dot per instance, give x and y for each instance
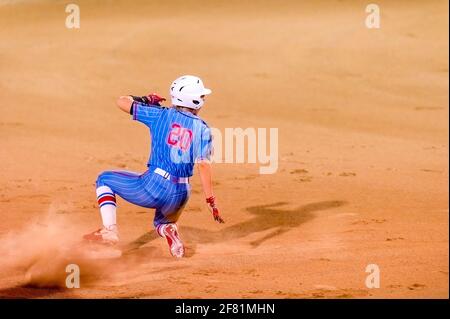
(213, 208)
(155, 99)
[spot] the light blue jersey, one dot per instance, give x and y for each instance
(179, 139)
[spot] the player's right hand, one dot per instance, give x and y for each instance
(211, 201)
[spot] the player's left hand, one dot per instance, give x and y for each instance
(151, 99)
(154, 99)
(211, 201)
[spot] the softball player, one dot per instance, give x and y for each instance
(179, 140)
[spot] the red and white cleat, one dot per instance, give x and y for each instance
(170, 232)
(106, 235)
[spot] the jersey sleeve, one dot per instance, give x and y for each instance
(204, 148)
(147, 114)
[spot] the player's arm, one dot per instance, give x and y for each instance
(205, 171)
(126, 102)
(204, 168)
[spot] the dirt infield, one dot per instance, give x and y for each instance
(363, 147)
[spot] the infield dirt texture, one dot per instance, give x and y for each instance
(363, 147)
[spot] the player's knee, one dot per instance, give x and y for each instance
(102, 179)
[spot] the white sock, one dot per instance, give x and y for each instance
(107, 202)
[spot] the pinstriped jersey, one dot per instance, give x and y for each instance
(179, 139)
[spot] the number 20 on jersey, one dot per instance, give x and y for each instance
(180, 137)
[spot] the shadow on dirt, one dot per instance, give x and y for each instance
(265, 217)
(30, 292)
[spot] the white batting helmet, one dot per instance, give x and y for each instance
(187, 91)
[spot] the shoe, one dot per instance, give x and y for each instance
(170, 231)
(106, 235)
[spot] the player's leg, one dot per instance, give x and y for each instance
(165, 222)
(109, 184)
(127, 185)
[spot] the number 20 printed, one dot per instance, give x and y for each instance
(180, 137)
